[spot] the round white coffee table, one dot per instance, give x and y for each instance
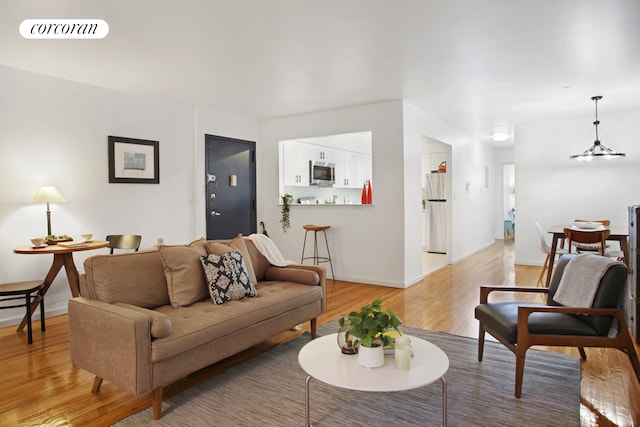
(321, 359)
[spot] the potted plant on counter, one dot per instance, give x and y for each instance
(284, 211)
(368, 326)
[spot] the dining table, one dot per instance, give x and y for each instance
(617, 233)
(62, 257)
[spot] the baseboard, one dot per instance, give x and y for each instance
(16, 319)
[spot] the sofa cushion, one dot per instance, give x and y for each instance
(227, 277)
(238, 244)
(135, 278)
(184, 274)
(203, 322)
(160, 323)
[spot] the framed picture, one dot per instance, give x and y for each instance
(133, 161)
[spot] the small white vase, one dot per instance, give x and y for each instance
(371, 357)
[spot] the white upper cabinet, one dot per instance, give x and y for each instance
(352, 169)
(319, 153)
(295, 169)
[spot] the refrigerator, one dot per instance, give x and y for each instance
(632, 302)
(436, 212)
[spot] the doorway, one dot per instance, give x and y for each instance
(436, 205)
(509, 200)
(230, 168)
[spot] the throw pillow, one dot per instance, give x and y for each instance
(227, 277)
(200, 245)
(183, 271)
(237, 244)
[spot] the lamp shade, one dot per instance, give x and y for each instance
(48, 194)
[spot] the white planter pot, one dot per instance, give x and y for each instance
(371, 357)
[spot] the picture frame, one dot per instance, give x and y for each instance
(133, 161)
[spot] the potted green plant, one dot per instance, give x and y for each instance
(368, 326)
(284, 211)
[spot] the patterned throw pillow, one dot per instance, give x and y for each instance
(227, 277)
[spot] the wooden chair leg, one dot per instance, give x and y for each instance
(582, 353)
(544, 268)
(630, 350)
(97, 383)
(156, 402)
(480, 343)
(314, 328)
(520, 355)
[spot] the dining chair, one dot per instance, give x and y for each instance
(123, 241)
(29, 292)
(521, 325)
(546, 249)
(588, 247)
(596, 238)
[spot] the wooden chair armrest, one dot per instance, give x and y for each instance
(486, 290)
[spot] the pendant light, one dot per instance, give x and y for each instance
(597, 149)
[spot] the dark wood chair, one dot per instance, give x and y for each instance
(123, 241)
(30, 292)
(519, 325)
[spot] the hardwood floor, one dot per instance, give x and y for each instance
(39, 386)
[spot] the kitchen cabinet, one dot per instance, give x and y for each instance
(296, 164)
(352, 169)
(319, 153)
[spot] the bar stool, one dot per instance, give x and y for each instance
(20, 290)
(316, 258)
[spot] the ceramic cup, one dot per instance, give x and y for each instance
(37, 241)
(86, 236)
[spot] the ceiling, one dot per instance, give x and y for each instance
(481, 66)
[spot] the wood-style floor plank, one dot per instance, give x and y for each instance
(38, 385)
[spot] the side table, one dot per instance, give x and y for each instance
(62, 256)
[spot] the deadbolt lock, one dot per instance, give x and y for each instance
(214, 213)
(213, 196)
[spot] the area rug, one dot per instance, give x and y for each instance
(268, 390)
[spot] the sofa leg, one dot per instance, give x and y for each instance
(97, 383)
(156, 402)
(314, 325)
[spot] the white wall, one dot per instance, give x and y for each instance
(551, 189)
(366, 242)
(473, 205)
(382, 243)
(55, 132)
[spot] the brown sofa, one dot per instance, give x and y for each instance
(146, 320)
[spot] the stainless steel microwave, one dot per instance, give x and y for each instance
(322, 173)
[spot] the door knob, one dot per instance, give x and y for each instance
(214, 213)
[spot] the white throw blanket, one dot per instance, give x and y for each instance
(266, 247)
(580, 280)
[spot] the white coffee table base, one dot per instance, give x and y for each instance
(321, 359)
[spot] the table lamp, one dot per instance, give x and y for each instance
(48, 194)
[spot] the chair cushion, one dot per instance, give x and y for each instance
(502, 318)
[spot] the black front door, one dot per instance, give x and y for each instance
(230, 172)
